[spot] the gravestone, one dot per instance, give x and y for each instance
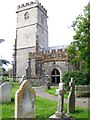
(22, 79)
(60, 114)
(5, 92)
(71, 97)
(25, 99)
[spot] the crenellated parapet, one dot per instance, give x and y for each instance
(31, 5)
(49, 56)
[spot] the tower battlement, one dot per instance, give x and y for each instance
(58, 55)
(24, 5)
(31, 5)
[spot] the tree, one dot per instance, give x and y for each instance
(2, 40)
(79, 49)
(3, 62)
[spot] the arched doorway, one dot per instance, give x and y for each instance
(55, 76)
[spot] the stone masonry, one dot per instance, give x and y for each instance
(46, 62)
(33, 57)
(32, 30)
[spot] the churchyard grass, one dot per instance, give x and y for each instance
(52, 91)
(44, 107)
(0, 69)
(8, 109)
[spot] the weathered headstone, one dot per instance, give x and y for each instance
(71, 97)
(25, 99)
(5, 92)
(22, 79)
(59, 112)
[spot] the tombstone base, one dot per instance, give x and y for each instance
(59, 114)
(54, 117)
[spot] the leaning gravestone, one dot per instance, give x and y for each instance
(71, 97)
(25, 101)
(5, 92)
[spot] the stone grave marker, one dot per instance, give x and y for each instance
(60, 114)
(71, 97)
(5, 92)
(61, 92)
(25, 100)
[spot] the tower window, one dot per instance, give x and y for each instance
(26, 15)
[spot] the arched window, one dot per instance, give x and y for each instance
(55, 76)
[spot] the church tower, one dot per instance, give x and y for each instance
(31, 33)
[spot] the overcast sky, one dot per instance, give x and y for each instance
(61, 14)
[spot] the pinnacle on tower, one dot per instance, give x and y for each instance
(36, 1)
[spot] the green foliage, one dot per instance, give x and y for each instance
(0, 69)
(79, 77)
(80, 114)
(79, 50)
(7, 79)
(10, 71)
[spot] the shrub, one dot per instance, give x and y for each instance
(79, 77)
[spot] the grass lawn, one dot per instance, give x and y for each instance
(52, 91)
(0, 69)
(44, 107)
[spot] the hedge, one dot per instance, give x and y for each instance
(80, 78)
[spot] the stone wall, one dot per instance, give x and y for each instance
(61, 66)
(82, 91)
(22, 60)
(43, 63)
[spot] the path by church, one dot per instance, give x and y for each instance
(81, 102)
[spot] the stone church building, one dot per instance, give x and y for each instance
(33, 57)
